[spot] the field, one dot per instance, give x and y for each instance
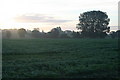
(60, 58)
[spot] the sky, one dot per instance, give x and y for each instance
(47, 14)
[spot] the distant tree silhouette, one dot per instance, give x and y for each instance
(118, 33)
(8, 34)
(55, 32)
(22, 32)
(43, 34)
(114, 34)
(93, 24)
(76, 34)
(36, 33)
(64, 35)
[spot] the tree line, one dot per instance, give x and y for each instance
(35, 33)
(93, 24)
(53, 33)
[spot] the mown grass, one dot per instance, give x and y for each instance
(60, 58)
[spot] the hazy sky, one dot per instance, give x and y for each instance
(46, 14)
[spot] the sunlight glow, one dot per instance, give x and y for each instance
(65, 12)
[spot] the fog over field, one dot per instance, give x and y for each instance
(59, 39)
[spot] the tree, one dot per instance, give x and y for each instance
(22, 32)
(43, 34)
(93, 24)
(118, 33)
(8, 34)
(76, 34)
(55, 32)
(36, 33)
(64, 35)
(112, 34)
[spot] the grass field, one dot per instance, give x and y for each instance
(60, 58)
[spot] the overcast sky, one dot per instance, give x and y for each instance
(46, 14)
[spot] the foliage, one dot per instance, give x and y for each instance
(114, 34)
(55, 32)
(76, 34)
(64, 35)
(94, 24)
(22, 32)
(36, 33)
(118, 33)
(8, 34)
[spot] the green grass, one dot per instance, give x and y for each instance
(60, 58)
